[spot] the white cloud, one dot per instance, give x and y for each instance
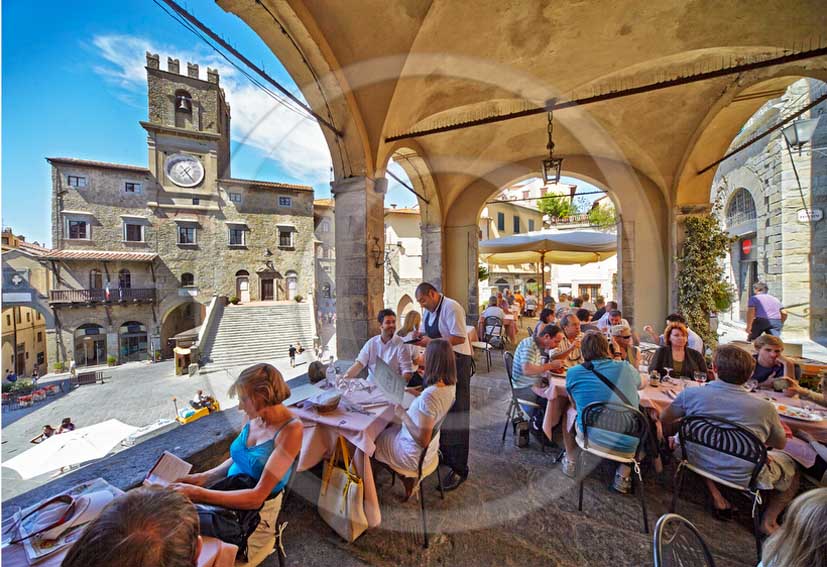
(295, 143)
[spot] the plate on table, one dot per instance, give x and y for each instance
(796, 413)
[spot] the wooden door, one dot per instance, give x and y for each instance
(267, 290)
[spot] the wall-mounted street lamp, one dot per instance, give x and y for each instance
(800, 132)
(377, 253)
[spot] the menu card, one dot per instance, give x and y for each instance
(391, 383)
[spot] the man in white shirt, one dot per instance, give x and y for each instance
(610, 319)
(587, 304)
(444, 318)
(388, 346)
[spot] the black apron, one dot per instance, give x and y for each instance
(455, 435)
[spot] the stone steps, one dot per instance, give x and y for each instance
(246, 335)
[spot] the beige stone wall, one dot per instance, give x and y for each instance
(31, 333)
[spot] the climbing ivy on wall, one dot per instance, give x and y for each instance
(702, 287)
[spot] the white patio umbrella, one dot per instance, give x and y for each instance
(553, 247)
(70, 448)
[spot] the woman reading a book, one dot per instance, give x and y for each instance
(265, 449)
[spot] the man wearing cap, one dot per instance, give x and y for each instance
(622, 345)
(444, 318)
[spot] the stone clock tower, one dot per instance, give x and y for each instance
(188, 135)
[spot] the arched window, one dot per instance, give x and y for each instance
(187, 280)
(183, 101)
(124, 279)
(242, 273)
(95, 279)
(741, 208)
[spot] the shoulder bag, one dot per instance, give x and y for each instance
(342, 495)
(227, 524)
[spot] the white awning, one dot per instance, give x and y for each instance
(573, 247)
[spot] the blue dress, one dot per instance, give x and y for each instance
(251, 460)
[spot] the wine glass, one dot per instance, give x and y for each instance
(668, 377)
(751, 385)
(654, 378)
(700, 378)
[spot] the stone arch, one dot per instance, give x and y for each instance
(405, 304)
(302, 48)
(414, 162)
(178, 314)
(642, 209)
(724, 120)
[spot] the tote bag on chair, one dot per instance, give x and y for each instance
(342, 496)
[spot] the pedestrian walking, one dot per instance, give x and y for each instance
(292, 352)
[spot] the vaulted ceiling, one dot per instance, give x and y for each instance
(387, 68)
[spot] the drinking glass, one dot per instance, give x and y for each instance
(699, 377)
(668, 377)
(654, 379)
(751, 385)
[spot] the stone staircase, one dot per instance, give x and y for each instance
(258, 332)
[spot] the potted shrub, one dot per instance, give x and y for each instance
(298, 298)
(234, 300)
(111, 360)
(23, 387)
(59, 366)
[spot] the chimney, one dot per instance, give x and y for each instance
(173, 66)
(212, 75)
(153, 61)
(192, 70)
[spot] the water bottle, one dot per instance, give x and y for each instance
(330, 374)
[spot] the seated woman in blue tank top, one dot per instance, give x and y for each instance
(265, 449)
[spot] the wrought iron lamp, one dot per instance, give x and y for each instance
(377, 253)
(800, 132)
(551, 165)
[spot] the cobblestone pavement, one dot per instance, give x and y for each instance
(137, 394)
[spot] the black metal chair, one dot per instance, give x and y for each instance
(492, 338)
(517, 404)
(616, 418)
(730, 439)
(678, 543)
(421, 476)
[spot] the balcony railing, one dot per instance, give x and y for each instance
(100, 296)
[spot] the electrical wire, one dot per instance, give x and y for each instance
(280, 100)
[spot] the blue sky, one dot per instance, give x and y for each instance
(73, 85)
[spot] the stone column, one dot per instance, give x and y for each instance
(432, 254)
(461, 268)
(359, 223)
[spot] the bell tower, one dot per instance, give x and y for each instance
(187, 114)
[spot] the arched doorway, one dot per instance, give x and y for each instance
(292, 285)
(405, 304)
(90, 345)
(741, 223)
(501, 284)
(132, 341)
(242, 285)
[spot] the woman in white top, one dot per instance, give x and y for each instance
(400, 446)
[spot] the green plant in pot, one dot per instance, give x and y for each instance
(298, 298)
(234, 300)
(111, 360)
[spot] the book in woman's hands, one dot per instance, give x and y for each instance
(168, 468)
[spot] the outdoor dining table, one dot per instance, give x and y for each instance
(321, 431)
(655, 399)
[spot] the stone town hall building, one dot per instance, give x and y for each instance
(140, 251)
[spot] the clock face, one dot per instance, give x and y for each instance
(184, 170)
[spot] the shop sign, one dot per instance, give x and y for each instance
(810, 215)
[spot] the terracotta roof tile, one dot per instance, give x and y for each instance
(267, 184)
(90, 163)
(99, 255)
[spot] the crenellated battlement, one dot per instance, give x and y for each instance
(153, 61)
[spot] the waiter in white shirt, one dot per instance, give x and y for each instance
(444, 318)
(387, 346)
